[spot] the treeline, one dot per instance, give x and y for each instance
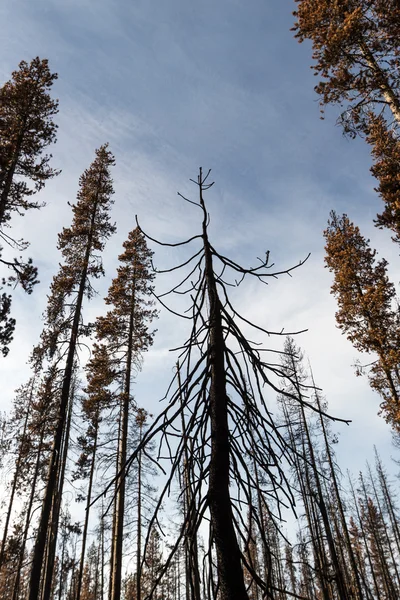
(346, 543)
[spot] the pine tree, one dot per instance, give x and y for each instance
(365, 296)
(355, 45)
(26, 129)
(80, 246)
(356, 52)
(123, 337)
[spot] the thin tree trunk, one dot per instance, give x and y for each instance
(15, 591)
(16, 475)
(139, 524)
(191, 549)
(303, 478)
(388, 501)
(388, 540)
(361, 525)
(387, 92)
(116, 575)
(87, 511)
(341, 587)
(52, 542)
(339, 502)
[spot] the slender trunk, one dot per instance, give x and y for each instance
(114, 516)
(40, 543)
(61, 584)
(388, 541)
(15, 478)
(102, 555)
(303, 478)
(55, 515)
(361, 525)
(231, 581)
(121, 479)
(388, 93)
(339, 502)
(15, 591)
(87, 511)
(383, 569)
(388, 501)
(139, 524)
(191, 549)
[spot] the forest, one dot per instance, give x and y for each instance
(221, 478)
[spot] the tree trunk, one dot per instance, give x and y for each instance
(371, 566)
(387, 92)
(339, 502)
(191, 549)
(87, 512)
(230, 573)
(15, 478)
(15, 591)
(139, 525)
(52, 541)
(116, 574)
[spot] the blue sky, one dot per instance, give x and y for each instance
(174, 86)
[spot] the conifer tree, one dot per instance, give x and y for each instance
(356, 44)
(26, 129)
(80, 245)
(357, 54)
(123, 337)
(365, 313)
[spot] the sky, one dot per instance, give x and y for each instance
(173, 86)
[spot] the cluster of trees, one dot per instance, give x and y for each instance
(229, 469)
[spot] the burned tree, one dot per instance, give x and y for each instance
(227, 418)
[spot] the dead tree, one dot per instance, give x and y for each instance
(222, 392)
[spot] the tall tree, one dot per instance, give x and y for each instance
(365, 313)
(80, 246)
(123, 337)
(26, 129)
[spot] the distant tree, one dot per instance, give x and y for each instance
(80, 245)
(356, 52)
(26, 129)
(365, 313)
(379, 546)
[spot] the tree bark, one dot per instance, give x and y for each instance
(231, 581)
(116, 575)
(87, 512)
